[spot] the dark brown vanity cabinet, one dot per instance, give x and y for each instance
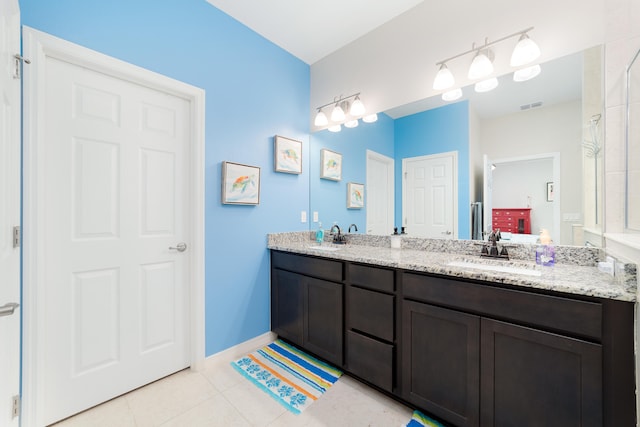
(306, 310)
(471, 353)
(482, 355)
(370, 324)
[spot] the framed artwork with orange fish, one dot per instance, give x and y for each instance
(240, 184)
(330, 165)
(287, 155)
(355, 195)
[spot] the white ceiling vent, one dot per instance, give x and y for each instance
(530, 106)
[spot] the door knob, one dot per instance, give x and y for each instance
(180, 247)
(8, 308)
(446, 232)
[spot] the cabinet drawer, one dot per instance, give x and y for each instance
(371, 312)
(375, 278)
(315, 267)
(370, 359)
(554, 313)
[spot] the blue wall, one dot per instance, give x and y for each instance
(254, 90)
(436, 131)
(329, 198)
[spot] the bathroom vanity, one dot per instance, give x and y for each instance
(474, 347)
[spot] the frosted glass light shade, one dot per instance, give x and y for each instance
(486, 85)
(357, 108)
(321, 119)
(452, 95)
(335, 128)
(526, 73)
(351, 124)
(370, 118)
(337, 115)
(444, 79)
(525, 52)
(481, 66)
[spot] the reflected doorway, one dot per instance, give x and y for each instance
(380, 199)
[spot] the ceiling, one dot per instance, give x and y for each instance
(315, 30)
(311, 30)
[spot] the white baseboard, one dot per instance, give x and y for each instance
(241, 349)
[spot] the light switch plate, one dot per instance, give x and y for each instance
(315, 216)
(303, 216)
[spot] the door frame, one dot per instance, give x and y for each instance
(372, 155)
(37, 47)
(454, 173)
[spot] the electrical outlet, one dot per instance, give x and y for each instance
(303, 216)
(315, 216)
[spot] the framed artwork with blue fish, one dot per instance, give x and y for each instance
(240, 184)
(287, 155)
(330, 165)
(355, 195)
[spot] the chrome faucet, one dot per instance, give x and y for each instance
(337, 237)
(354, 226)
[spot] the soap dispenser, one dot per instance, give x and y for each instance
(545, 252)
(320, 234)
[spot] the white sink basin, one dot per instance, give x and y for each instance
(498, 268)
(325, 248)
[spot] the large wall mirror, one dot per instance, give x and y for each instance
(534, 145)
(632, 190)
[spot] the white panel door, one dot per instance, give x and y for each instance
(429, 196)
(487, 197)
(116, 296)
(9, 211)
(380, 200)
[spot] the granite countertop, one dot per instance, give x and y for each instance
(573, 279)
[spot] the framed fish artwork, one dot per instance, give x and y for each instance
(330, 165)
(288, 155)
(240, 184)
(355, 195)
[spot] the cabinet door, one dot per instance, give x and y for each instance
(440, 362)
(286, 305)
(323, 328)
(536, 378)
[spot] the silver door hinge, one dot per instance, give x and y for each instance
(15, 406)
(16, 236)
(18, 60)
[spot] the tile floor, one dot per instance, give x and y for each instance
(220, 396)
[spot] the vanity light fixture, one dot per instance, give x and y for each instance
(526, 73)
(370, 118)
(486, 85)
(452, 95)
(444, 78)
(525, 52)
(345, 111)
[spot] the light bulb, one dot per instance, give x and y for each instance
(444, 79)
(486, 85)
(525, 52)
(321, 119)
(337, 115)
(452, 95)
(351, 124)
(357, 108)
(335, 128)
(370, 118)
(481, 66)
(526, 73)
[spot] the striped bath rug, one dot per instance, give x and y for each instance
(421, 420)
(290, 376)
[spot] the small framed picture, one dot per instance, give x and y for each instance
(287, 155)
(549, 191)
(355, 195)
(240, 184)
(330, 165)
